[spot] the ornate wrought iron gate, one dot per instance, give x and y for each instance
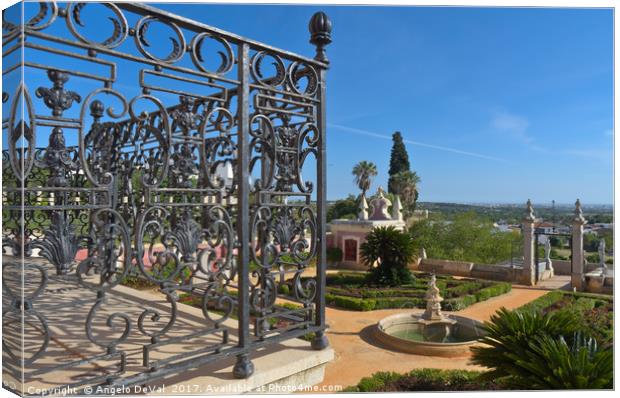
(154, 150)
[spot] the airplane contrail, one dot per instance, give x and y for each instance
(438, 147)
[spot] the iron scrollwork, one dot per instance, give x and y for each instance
(145, 185)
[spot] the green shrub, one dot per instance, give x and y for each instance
(334, 254)
(461, 289)
(492, 291)
(284, 289)
(593, 313)
(377, 381)
(536, 350)
(459, 303)
(351, 303)
(542, 302)
(399, 302)
(346, 278)
(392, 250)
(366, 292)
(291, 306)
(458, 293)
(139, 281)
(552, 363)
(424, 380)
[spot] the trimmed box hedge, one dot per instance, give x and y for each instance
(350, 291)
(593, 312)
(425, 380)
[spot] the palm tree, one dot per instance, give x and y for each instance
(405, 185)
(364, 172)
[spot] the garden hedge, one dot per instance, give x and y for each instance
(389, 298)
(425, 380)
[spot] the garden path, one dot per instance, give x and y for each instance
(350, 334)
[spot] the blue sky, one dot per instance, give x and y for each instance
(520, 98)
(495, 104)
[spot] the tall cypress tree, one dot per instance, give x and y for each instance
(399, 159)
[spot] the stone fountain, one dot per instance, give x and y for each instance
(431, 332)
(435, 326)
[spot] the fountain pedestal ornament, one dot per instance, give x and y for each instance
(435, 326)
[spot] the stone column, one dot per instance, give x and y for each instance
(363, 209)
(528, 276)
(397, 209)
(577, 258)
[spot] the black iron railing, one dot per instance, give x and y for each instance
(144, 148)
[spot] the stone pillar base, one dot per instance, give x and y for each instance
(577, 281)
(527, 279)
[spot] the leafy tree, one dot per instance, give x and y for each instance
(608, 235)
(405, 185)
(399, 159)
(557, 241)
(364, 172)
(599, 218)
(535, 350)
(392, 250)
(343, 208)
(590, 242)
(466, 238)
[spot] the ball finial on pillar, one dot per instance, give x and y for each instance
(320, 28)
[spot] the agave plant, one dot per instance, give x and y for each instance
(531, 350)
(556, 364)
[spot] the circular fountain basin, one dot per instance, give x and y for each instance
(403, 332)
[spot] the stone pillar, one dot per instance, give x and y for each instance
(363, 209)
(577, 258)
(397, 209)
(528, 277)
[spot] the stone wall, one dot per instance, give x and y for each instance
(596, 283)
(496, 272)
(563, 267)
(469, 269)
(458, 268)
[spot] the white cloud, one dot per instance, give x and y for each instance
(513, 126)
(406, 141)
(590, 153)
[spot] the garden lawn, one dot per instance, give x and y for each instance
(351, 291)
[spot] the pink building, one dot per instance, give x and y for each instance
(349, 235)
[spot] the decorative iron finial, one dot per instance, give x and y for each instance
(320, 29)
(529, 212)
(578, 218)
(57, 98)
(96, 110)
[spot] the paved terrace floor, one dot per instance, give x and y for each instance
(359, 355)
(65, 305)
